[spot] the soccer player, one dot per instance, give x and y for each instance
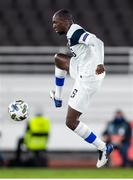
(86, 67)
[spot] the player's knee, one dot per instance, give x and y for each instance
(57, 57)
(57, 60)
(70, 123)
(62, 61)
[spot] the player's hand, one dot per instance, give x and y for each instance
(100, 69)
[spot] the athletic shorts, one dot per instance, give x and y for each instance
(81, 94)
(84, 88)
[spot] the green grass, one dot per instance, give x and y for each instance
(66, 173)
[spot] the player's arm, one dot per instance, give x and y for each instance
(90, 39)
(100, 50)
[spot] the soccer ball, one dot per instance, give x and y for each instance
(18, 110)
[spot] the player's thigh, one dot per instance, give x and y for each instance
(62, 61)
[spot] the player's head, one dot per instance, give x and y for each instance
(62, 20)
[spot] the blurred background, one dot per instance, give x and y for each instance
(27, 47)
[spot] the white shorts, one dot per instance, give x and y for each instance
(84, 87)
(82, 92)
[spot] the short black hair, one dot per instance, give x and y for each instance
(65, 14)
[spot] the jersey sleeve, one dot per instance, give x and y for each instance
(100, 50)
(87, 38)
(90, 39)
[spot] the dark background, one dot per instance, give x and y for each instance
(28, 22)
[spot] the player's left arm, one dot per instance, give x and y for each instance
(91, 39)
(100, 50)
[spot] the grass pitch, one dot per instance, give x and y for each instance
(66, 173)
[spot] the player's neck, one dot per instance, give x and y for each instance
(68, 27)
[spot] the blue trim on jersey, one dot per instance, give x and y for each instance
(59, 81)
(75, 37)
(91, 138)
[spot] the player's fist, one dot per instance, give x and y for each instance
(100, 69)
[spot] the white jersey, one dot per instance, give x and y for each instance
(87, 50)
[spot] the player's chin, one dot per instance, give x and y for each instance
(60, 32)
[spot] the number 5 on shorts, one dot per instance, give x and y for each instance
(74, 93)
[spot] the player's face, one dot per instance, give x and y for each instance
(59, 25)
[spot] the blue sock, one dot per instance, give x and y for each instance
(91, 138)
(83, 131)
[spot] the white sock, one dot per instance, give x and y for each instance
(100, 145)
(59, 82)
(83, 131)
